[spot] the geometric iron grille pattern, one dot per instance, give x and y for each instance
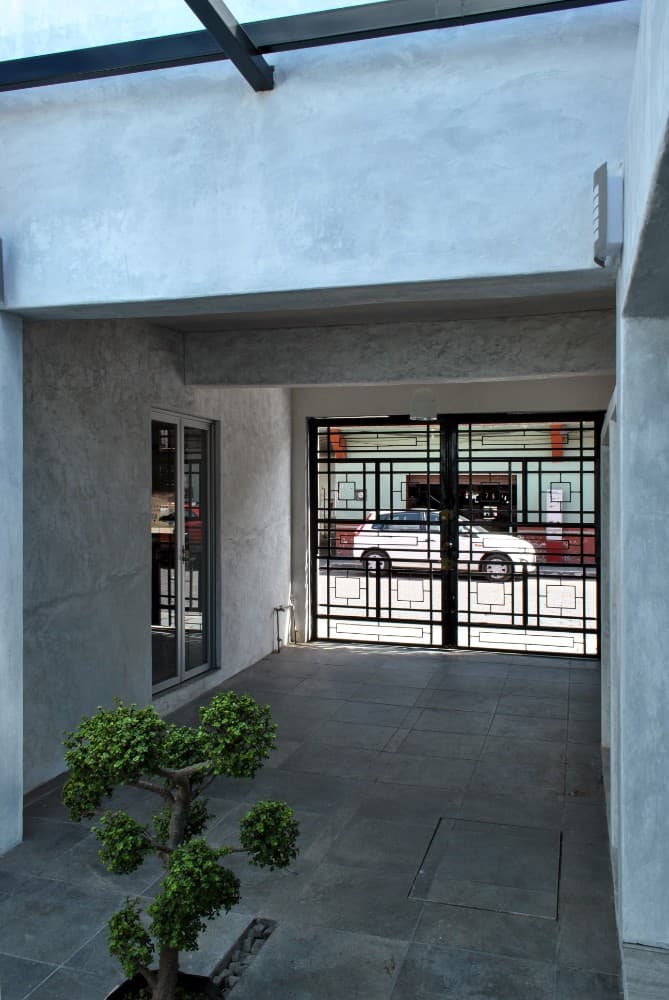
(537, 482)
(455, 533)
(376, 571)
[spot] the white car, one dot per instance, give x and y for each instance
(408, 538)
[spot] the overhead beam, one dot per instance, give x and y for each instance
(278, 34)
(393, 17)
(109, 60)
(234, 41)
(469, 350)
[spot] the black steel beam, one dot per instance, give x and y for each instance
(278, 34)
(234, 41)
(109, 60)
(392, 17)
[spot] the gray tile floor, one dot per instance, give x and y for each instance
(378, 749)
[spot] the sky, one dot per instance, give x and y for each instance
(31, 27)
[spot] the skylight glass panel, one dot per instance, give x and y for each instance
(259, 10)
(36, 27)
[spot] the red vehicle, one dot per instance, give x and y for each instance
(192, 524)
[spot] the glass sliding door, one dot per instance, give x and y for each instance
(181, 538)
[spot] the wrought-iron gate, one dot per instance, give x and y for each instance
(457, 532)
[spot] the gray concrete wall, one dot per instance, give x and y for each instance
(643, 400)
(11, 580)
(433, 156)
(89, 389)
(639, 800)
(605, 584)
(643, 287)
(611, 599)
(517, 347)
(587, 392)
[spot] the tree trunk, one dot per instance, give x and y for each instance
(168, 966)
(168, 971)
(180, 811)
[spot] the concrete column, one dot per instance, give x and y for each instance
(643, 581)
(605, 610)
(611, 600)
(11, 581)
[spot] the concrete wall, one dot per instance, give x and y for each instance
(639, 803)
(434, 156)
(89, 389)
(605, 584)
(643, 287)
(643, 752)
(11, 581)
(531, 396)
(518, 347)
(612, 584)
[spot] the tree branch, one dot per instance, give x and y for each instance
(158, 847)
(149, 786)
(204, 786)
(184, 773)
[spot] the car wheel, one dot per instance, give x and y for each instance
(497, 567)
(376, 559)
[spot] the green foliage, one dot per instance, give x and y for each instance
(182, 746)
(124, 842)
(110, 748)
(198, 818)
(237, 734)
(195, 889)
(128, 940)
(127, 745)
(269, 834)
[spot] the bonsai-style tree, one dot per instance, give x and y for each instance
(131, 746)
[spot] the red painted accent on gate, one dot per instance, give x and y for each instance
(557, 440)
(337, 443)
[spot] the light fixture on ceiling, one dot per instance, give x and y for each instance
(423, 405)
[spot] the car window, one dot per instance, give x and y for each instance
(409, 520)
(401, 520)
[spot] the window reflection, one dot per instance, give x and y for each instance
(196, 568)
(164, 578)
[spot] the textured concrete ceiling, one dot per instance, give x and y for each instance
(516, 295)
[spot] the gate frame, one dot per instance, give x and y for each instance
(448, 424)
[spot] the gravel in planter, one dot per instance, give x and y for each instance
(231, 967)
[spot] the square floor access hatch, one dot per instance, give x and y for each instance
(491, 866)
